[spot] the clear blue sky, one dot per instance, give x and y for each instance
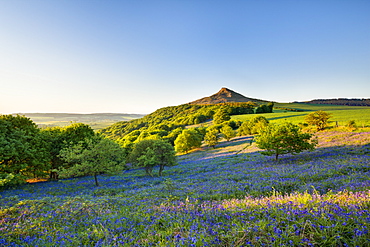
(90, 56)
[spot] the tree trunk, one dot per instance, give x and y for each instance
(161, 167)
(276, 156)
(96, 180)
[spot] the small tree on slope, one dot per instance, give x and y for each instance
(283, 139)
(149, 153)
(93, 157)
(187, 140)
(319, 119)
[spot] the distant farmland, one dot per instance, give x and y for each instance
(95, 120)
(295, 112)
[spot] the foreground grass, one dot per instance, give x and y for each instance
(228, 196)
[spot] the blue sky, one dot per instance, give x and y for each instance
(90, 56)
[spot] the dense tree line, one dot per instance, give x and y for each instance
(168, 122)
(340, 101)
(27, 151)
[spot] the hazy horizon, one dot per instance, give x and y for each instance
(137, 56)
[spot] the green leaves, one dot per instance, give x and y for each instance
(22, 154)
(283, 139)
(187, 140)
(227, 132)
(211, 138)
(221, 116)
(149, 153)
(99, 156)
(319, 119)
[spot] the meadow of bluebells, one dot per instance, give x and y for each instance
(228, 196)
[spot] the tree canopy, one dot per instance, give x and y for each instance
(211, 138)
(283, 139)
(319, 119)
(150, 153)
(227, 132)
(187, 140)
(22, 151)
(92, 157)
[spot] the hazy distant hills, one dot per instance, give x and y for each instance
(95, 120)
(225, 95)
(340, 101)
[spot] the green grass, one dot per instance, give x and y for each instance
(340, 114)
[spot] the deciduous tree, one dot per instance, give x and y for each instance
(257, 124)
(245, 129)
(187, 140)
(319, 119)
(227, 132)
(58, 138)
(283, 139)
(150, 153)
(92, 157)
(22, 151)
(221, 116)
(211, 138)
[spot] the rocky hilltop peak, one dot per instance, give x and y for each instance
(226, 92)
(223, 96)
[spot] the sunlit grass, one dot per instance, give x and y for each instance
(340, 114)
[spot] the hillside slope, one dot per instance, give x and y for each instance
(213, 197)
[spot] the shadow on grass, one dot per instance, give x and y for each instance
(284, 117)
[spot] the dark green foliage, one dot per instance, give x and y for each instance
(341, 101)
(28, 152)
(241, 108)
(283, 139)
(227, 132)
(93, 156)
(234, 124)
(22, 149)
(151, 153)
(265, 108)
(76, 133)
(171, 137)
(58, 138)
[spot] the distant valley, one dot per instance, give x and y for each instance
(95, 120)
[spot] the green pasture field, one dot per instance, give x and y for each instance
(340, 114)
